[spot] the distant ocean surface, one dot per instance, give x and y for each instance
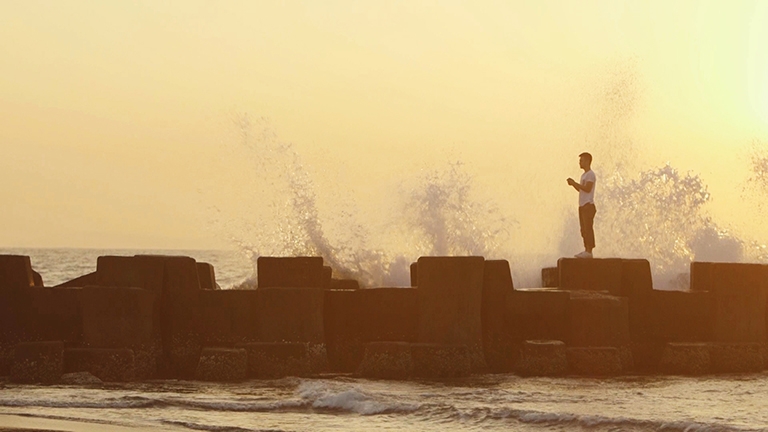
(343, 403)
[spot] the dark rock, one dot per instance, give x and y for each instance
(80, 379)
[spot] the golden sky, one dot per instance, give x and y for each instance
(116, 117)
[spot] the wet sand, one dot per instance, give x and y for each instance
(16, 423)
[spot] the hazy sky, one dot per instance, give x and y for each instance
(116, 117)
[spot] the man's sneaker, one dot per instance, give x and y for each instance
(584, 254)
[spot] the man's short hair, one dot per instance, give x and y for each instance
(586, 155)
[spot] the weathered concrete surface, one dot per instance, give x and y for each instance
(290, 272)
(389, 314)
(594, 361)
(436, 361)
(386, 360)
(107, 364)
(293, 315)
(122, 318)
(354, 318)
(414, 274)
(705, 276)
(279, 359)
(681, 358)
(90, 279)
(37, 278)
(450, 291)
(222, 364)
(327, 277)
(228, 317)
(550, 277)
(599, 274)
(344, 284)
(598, 320)
(37, 362)
(542, 358)
(497, 344)
(681, 316)
(15, 276)
(15, 272)
(207, 276)
(536, 314)
(37, 314)
(343, 335)
(736, 357)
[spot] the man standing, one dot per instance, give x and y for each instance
(587, 210)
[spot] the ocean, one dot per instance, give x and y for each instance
(336, 402)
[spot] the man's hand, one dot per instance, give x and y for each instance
(572, 182)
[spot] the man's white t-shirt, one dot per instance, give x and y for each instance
(587, 197)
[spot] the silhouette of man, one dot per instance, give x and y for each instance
(587, 210)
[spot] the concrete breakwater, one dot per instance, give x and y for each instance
(147, 317)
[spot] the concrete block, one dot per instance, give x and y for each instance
(53, 314)
(293, 315)
(342, 327)
(598, 320)
(37, 362)
(550, 277)
(275, 360)
(344, 284)
(107, 364)
(389, 314)
(739, 313)
(117, 317)
(497, 343)
(449, 294)
(542, 358)
(327, 277)
(600, 274)
(647, 355)
(686, 359)
(538, 314)
(386, 360)
(435, 361)
(736, 357)
(705, 276)
(414, 274)
(15, 272)
(90, 279)
(290, 272)
(207, 276)
(37, 278)
(228, 317)
(122, 318)
(222, 364)
(636, 278)
(594, 361)
(681, 316)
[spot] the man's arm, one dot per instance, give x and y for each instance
(586, 187)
